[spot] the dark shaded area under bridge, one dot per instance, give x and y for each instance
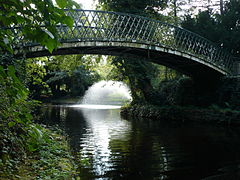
(110, 33)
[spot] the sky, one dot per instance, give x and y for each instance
(86, 4)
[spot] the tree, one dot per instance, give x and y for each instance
(35, 73)
(30, 15)
(222, 29)
(139, 7)
(229, 24)
(176, 9)
(60, 75)
(203, 24)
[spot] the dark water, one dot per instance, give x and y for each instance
(114, 148)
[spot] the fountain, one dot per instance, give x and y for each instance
(105, 94)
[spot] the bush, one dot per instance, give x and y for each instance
(177, 92)
(22, 140)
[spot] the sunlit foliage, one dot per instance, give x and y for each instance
(30, 15)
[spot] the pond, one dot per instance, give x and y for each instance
(111, 147)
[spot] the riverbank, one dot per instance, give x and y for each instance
(212, 115)
(49, 159)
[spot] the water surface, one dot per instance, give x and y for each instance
(114, 148)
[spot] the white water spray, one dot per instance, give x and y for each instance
(111, 93)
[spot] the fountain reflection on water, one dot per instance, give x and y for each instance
(103, 127)
(103, 123)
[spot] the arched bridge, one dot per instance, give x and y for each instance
(111, 33)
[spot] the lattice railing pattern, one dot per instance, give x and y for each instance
(90, 25)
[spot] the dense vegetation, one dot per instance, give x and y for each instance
(222, 29)
(20, 138)
(60, 75)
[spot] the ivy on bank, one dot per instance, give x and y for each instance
(20, 138)
(27, 149)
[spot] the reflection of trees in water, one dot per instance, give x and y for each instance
(75, 127)
(69, 119)
(186, 151)
(133, 157)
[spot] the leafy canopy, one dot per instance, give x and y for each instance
(139, 7)
(222, 29)
(30, 15)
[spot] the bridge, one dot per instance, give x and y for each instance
(120, 34)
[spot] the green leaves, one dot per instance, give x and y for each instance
(51, 44)
(61, 3)
(32, 15)
(14, 89)
(14, 95)
(11, 124)
(221, 29)
(3, 75)
(68, 21)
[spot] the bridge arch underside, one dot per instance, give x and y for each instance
(183, 62)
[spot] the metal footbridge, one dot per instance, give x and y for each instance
(120, 34)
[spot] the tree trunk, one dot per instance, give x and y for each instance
(175, 8)
(221, 7)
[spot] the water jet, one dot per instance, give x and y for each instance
(105, 95)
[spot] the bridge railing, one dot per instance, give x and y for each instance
(91, 25)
